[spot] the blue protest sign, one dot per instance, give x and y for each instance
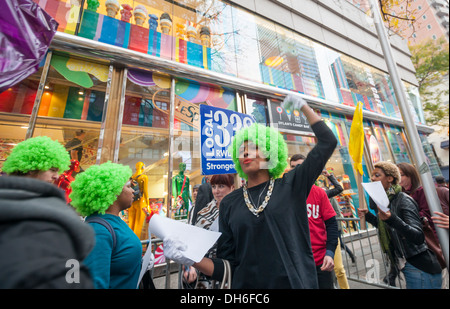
(217, 128)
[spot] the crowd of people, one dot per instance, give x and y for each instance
(278, 230)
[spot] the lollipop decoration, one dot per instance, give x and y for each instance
(288, 113)
(296, 116)
(279, 110)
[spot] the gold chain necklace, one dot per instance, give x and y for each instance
(250, 206)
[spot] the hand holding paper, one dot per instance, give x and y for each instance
(183, 243)
(378, 195)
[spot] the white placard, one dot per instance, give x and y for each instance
(378, 195)
(197, 240)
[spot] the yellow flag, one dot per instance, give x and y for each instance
(356, 142)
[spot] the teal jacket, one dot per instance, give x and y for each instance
(118, 269)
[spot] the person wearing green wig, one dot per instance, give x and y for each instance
(41, 235)
(38, 157)
(101, 192)
(264, 224)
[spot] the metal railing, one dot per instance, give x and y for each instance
(363, 258)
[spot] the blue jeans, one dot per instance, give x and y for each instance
(418, 279)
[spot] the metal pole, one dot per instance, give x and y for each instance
(410, 127)
(39, 93)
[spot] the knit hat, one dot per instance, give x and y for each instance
(39, 153)
(389, 169)
(269, 141)
(98, 187)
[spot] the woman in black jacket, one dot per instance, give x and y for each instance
(400, 231)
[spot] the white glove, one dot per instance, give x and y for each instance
(293, 102)
(174, 250)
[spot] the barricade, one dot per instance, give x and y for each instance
(371, 265)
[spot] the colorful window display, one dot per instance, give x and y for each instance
(11, 133)
(74, 89)
(144, 142)
(430, 156)
(397, 141)
(215, 35)
(19, 99)
(377, 142)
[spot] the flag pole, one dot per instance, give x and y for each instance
(410, 127)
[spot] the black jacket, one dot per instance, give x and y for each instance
(42, 239)
(405, 226)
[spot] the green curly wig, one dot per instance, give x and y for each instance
(39, 153)
(269, 141)
(97, 188)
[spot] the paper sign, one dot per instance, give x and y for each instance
(197, 240)
(145, 262)
(378, 195)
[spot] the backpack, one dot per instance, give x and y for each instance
(105, 224)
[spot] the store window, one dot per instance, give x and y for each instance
(257, 107)
(144, 140)
(377, 142)
(398, 143)
(16, 104)
(72, 105)
(74, 89)
(430, 156)
(189, 95)
(415, 103)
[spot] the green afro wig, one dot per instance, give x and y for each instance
(97, 188)
(39, 153)
(269, 141)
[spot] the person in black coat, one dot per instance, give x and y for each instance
(43, 241)
(400, 232)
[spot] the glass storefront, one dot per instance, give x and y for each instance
(218, 36)
(215, 36)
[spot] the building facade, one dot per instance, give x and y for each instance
(132, 74)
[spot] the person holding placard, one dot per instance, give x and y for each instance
(400, 231)
(264, 224)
